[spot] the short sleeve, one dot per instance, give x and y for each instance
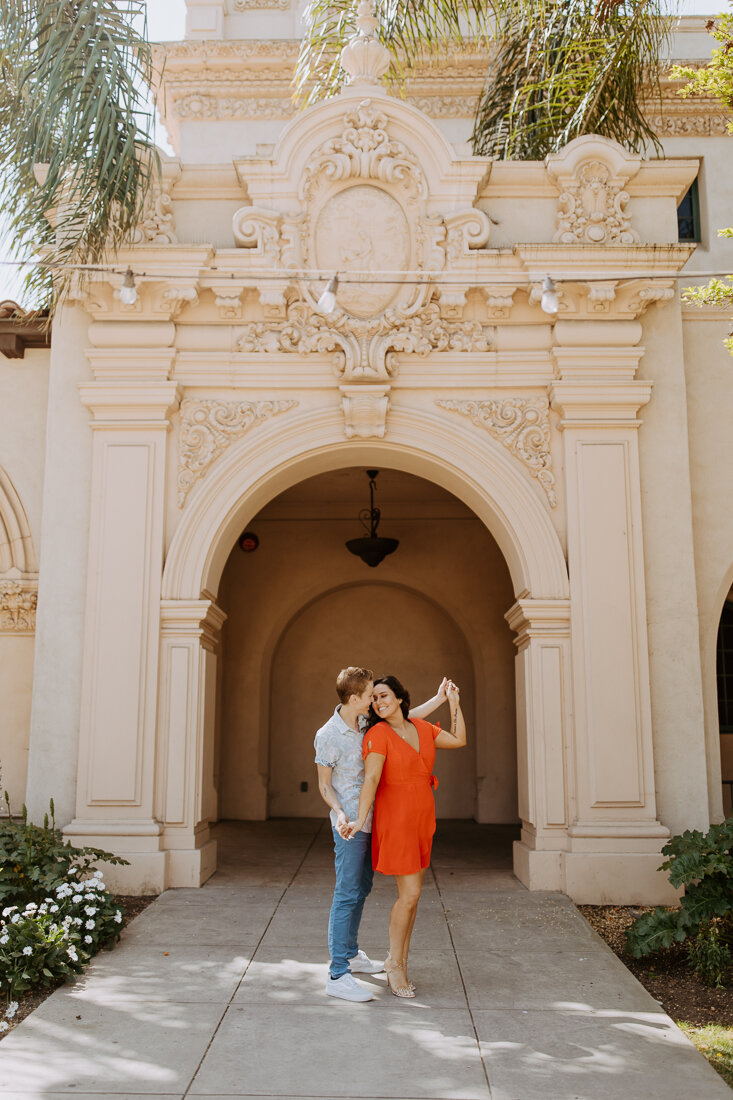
(375, 740)
(327, 752)
(436, 729)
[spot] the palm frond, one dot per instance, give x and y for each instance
(72, 103)
(410, 29)
(557, 68)
(568, 68)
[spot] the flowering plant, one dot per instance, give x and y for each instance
(54, 915)
(42, 943)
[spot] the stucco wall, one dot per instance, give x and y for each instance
(23, 401)
(434, 607)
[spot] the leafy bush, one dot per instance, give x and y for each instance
(701, 863)
(54, 919)
(35, 859)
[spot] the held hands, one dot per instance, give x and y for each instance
(341, 822)
(350, 828)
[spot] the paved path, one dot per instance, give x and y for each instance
(218, 993)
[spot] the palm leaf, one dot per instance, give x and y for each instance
(558, 68)
(74, 78)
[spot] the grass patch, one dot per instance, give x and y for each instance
(716, 1043)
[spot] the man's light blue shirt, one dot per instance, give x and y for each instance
(338, 746)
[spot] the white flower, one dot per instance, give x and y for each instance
(42, 910)
(88, 939)
(10, 909)
(76, 921)
(4, 938)
(54, 909)
(98, 874)
(118, 917)
(76, 899)
(11, 1009)
(15, 918)
(71, 952)
(27, 950)
(90, 910)
(31, 907)
(89, 924)
(4, 1026)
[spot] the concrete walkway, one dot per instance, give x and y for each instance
(218, 993)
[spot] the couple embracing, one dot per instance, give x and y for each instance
(375, 760)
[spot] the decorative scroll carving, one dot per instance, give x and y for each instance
(229, 305)
(522, 425)
(445, 106)
(245, 5)
(173, 299)
(158, 224)
(644, 294)
(364, 151)
(364, 349)
(260, 229)
(499, 300)
(592, 209)
(365, 411)
(207, 429)
(196, 105)
(465, 229)
(17, 607)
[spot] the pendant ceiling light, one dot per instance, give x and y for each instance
(371, 549)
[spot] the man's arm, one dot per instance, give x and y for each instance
(422, 710)
(329, 795)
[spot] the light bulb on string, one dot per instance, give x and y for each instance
(327, 301)
(549, 302)
(128, 290)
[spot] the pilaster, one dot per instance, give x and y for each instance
(130, 399)
(190, 632)
(615, 836)
(545, 758)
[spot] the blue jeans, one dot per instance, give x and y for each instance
(354, 875)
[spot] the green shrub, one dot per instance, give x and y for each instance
(701, 863)
(54, 919)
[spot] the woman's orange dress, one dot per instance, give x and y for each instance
(404, 806)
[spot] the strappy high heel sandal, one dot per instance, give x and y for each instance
(410, 985)
(403, 991)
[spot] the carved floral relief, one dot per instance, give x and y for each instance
(17, 607)
(208, 426)
(592, 209)
(522, 425)
(364, 349)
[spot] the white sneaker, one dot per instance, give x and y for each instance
(347, 988)
(362, 964)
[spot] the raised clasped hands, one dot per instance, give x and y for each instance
(453, 695)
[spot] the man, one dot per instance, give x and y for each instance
(340, 776)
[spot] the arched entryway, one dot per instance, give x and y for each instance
(300, 606)
(486, 480)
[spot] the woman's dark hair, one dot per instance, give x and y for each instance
(400, 692)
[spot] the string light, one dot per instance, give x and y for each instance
(327, 301)
(549, 302)
(128, 290)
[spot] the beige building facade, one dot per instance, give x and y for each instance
(559, 482)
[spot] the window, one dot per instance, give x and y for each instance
(688, 215)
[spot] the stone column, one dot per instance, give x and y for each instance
(131, 399)
(544, 739)
(614, 839)
(185, 788)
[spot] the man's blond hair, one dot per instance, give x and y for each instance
(353, 681)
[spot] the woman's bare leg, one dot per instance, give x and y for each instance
(406, 947)
(402, 919)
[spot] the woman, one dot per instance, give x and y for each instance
(399, 753)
